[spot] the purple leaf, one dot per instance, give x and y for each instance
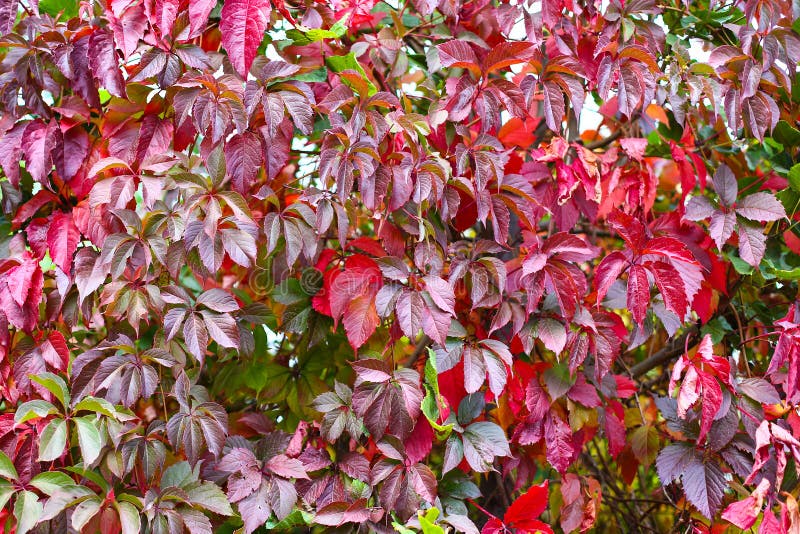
(761, 206)
(752, 243)
(721, 227)
(725, 185)
(704, 484)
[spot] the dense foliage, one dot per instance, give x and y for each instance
(319, 264)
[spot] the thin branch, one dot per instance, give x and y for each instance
(671, 351)
(602, 143)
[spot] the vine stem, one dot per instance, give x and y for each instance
(482, 509)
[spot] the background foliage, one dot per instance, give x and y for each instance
(419, 266)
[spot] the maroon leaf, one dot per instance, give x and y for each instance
(104, 64)
(242, 24)
(457, 53)
(698, 209)
(244, 155)
(8, 15)
(37, 145)
(62, 240)
(673, 460)
(255, 509)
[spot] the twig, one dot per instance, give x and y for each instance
(602, 143)
(671, 351)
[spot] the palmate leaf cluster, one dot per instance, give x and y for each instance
(419, 266)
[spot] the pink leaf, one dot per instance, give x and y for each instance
(198, 14)
(761, 206)
(752, 243)
(242, 24)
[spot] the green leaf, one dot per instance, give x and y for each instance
(7, 469)
(782, 274)
(717, 328)
(129, 517)
(51, 481)
(81, 470)
(6, 491)
(67, 8)
(27, 511)
(316, 75)
(741, 266)
(645, 444)
(349, 62)
(305, 36)
(89, 438)
(210, 496)
(786, 134)
(431, 401)
(298, 518)
(177, 475)
(99, 406)
(55, 385)
(428, 521)
(65, 497)
(790, 198)
(85, 511)
(34, 409)
(794, 177)
(53, 440)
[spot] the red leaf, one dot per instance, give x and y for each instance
(244, 155)
(670, 284)
(629, 228)
(615, 427)
(198, 14)
(360, 320)
(558, 438)
(457, 53)
(608, 271)
(506, 54)
(711, 402)
(62, 240)
(638, 293)
(744, 513)
(527, 507)
(166, 11)
(242, 24)
(418, 445)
